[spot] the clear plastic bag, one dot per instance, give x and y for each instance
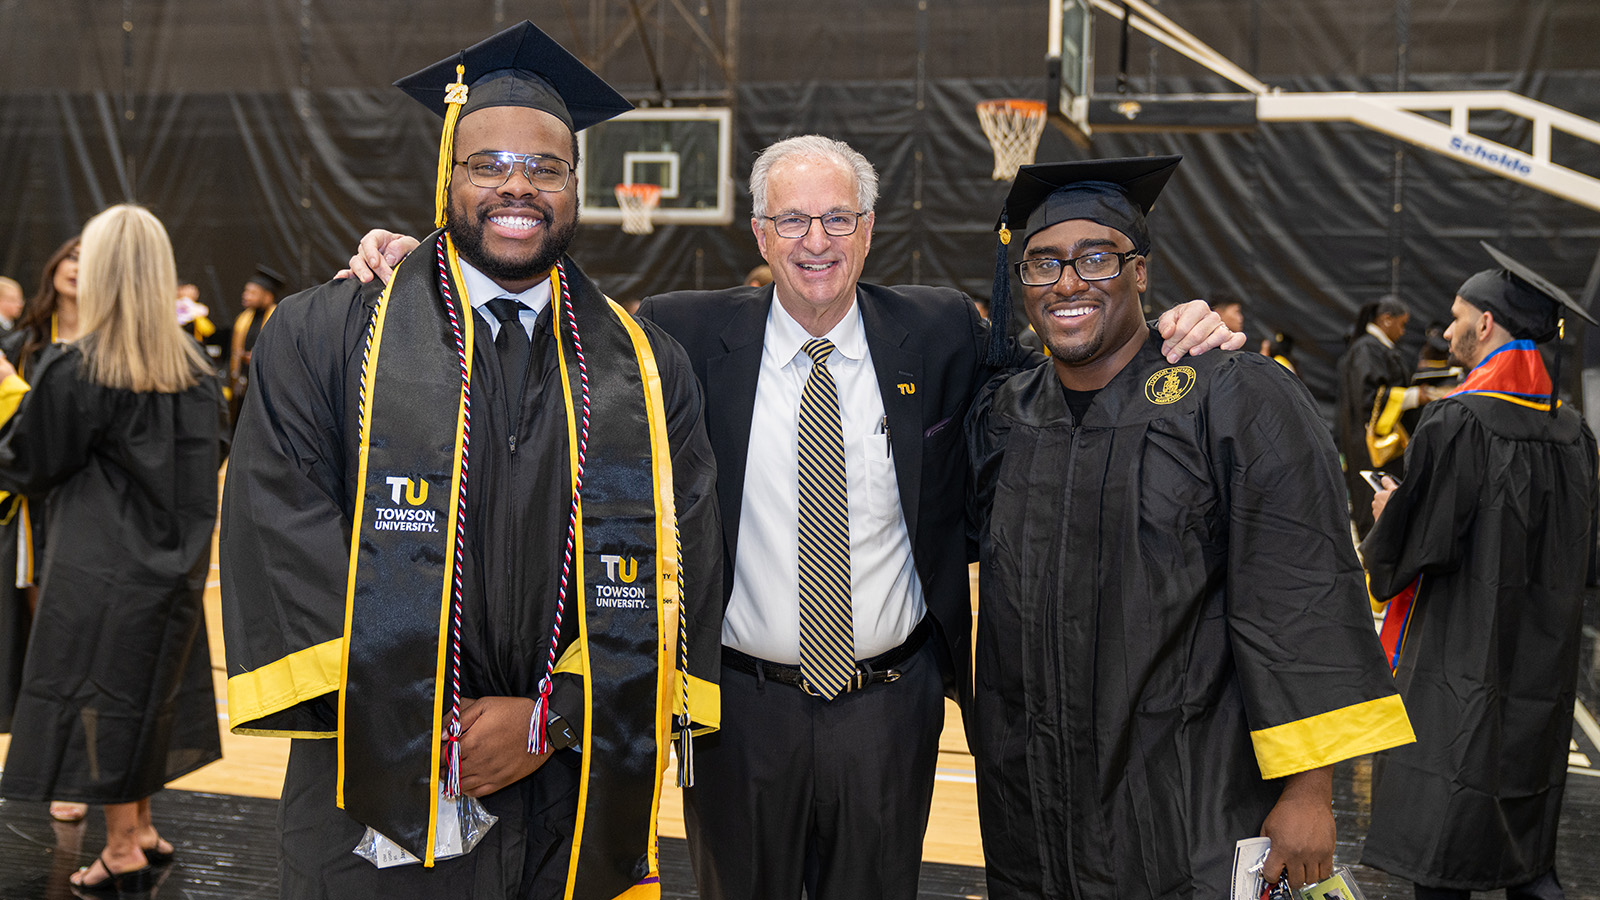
(462, 824)
(1342, 886)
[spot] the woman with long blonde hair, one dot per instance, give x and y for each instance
(123, 430)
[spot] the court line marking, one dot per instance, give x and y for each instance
(1591, 730)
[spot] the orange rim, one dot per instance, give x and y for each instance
(1026, 107)
(641, 190)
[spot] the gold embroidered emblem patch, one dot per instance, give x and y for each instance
(1169, 385)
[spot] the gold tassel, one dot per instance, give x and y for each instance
(455, 97)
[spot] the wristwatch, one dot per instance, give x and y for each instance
(559, 733)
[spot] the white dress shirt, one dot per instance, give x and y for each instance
(763, 617)
(481, 289)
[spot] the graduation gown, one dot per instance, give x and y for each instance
(15, 619)
(1373, 379)
(117, 697)
(1171, 616)
(1496, 517)
(285, 547)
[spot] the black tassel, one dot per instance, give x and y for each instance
(998, 351)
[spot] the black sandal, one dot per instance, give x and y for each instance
(120, 882)
(156, 856)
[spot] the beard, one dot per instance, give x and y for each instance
(1463, 349)
(466, 229)
(1079, 351)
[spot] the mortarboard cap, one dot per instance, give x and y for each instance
(268, 278)
(520, 66)
(1117, 193)
(1524, 302)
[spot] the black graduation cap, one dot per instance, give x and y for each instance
(1117, 193)
(1526, 303)
(268, 278)
(520, 66)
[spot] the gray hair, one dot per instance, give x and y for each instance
(813, 146)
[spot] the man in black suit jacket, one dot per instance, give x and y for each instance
(801, 786)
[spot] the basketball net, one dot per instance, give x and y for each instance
(636, 201)
(1013, 128)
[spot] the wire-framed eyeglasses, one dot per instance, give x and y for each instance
(834, 224)
(493, 168)
(1098, 266)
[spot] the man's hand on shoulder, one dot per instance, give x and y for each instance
(1302, 829)
(377, 255)
(494, 744)
(1192, 329)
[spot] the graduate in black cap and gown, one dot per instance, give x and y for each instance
(260, 300)
(1485, 548)
(1174, 644)
(451, 535)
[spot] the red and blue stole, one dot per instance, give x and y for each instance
(1515, 373)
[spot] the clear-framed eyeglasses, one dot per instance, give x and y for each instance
(1099, 266)
(834, 224)
(493, 168)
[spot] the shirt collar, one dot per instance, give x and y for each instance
(1377, 332)
(785, 336)
(481, 289)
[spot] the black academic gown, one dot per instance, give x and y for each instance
(15, 619)
(285, 548)
(117, 697)
(1496, 516)
(1371, 377)
(1168, 594)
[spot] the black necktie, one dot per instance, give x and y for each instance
(512, 346)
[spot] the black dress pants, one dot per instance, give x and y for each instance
(795, 791)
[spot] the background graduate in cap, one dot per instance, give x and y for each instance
(259, 299)
(525, 636)
(1485, 549)
(1174, 644)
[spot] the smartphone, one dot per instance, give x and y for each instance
(1376, 479)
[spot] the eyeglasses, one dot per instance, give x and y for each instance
(491, 169)
(1090, 267)
(834, 224)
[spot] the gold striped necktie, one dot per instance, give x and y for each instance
(827, 634)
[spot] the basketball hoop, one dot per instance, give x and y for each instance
(1013, 128)
(636, 201)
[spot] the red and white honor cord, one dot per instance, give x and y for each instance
(538, 739)
(453, 724)
(685, 730)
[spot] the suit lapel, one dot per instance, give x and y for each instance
(899, 371)
(731, 403)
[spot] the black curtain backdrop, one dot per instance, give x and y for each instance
(265, 131)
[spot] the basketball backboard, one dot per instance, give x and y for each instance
(1069, 61)
(689, 152)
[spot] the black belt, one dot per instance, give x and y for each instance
(878, 669)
